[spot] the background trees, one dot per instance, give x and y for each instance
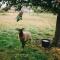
(52, 5)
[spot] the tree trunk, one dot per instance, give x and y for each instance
(57, 32)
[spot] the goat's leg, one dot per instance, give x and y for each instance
(23, 44)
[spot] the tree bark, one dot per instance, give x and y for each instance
(57, 32)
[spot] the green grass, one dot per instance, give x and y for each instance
(10, 46)
(41, 34)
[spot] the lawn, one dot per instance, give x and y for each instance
(41, 26)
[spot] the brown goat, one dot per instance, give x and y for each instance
(24, 36)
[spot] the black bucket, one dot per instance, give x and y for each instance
(46, 43)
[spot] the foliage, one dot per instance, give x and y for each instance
(18, 7)
(48, 5)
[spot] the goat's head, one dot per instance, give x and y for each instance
(20, 30)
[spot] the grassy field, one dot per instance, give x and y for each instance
(41, 26)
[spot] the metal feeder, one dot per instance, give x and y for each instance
(46, 43)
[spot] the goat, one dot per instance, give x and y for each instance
(24, 36)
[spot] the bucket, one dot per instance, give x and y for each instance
(45, 43)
